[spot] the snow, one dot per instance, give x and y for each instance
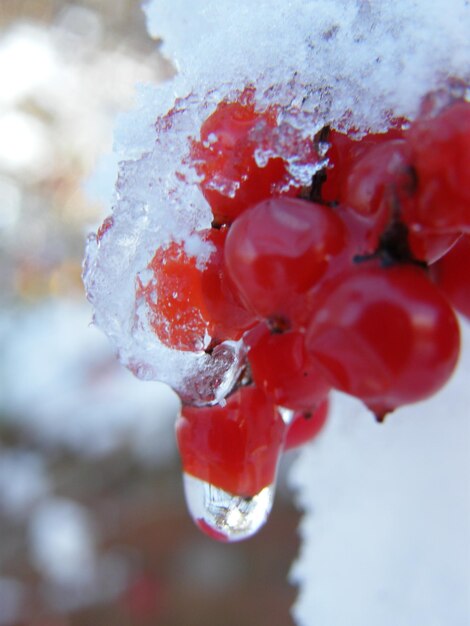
(31, 482)
(60, 382)
(387, 514)
(387, 507)
(362, 58)
(350, 63)
(62, 542)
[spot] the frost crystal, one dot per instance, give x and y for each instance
(350, 63)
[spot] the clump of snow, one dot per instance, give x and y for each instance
(349, 63)
(357, 58)
(387, 514)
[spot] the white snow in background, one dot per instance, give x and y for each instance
(23, 482)
(386, 530)
(60, 381)
(62, 542)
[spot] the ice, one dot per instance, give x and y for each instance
(348, 63)
(225, 516)
(387, 514)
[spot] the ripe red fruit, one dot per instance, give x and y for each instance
(190, 305)
(343, 153)
(451, 275)
(234, 447)
(386, 336)
(306, 425)
(277, 250)
(225, 158)
(281, 367)
(380, 180)
(381, 188)
(430, 246)
(440, 145)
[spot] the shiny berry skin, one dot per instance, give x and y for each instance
(189, 304)
(281, 367)
(430, 246)
(381, 188)
(384, 335)
(440, 146)
(343, 152)
(229, 319)
(306, 425)
(451, 275)
(234, 447)
(225, 158)
(277, 250)
(380, 183)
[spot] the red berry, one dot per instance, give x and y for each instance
(381, 188)
(440, 145)
(386, 336)
(234, 447)
(343, 153)
(277, 250)
(380, 181)
(306, 425)
(430, 246)
(451, 275)
(281, 367)
(229, 319)
(225, 158)
(189, 305)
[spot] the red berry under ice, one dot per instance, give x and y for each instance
(347, 282)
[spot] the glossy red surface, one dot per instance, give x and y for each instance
(306, 425)
(281, 367)
(451, 274)
(385, 335)
(234, 447)
(277, 250)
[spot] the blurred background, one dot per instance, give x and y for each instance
(93, 525)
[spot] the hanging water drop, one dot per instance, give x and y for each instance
(225, 516)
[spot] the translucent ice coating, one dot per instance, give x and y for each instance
(347, 63)
(225, 516)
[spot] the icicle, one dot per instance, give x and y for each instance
(225, 516)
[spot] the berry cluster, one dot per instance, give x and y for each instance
(350, 283)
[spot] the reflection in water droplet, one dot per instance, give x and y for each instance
(223, 515)
(286, 414)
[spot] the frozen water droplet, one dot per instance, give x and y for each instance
(223, 515)
(214, 375)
